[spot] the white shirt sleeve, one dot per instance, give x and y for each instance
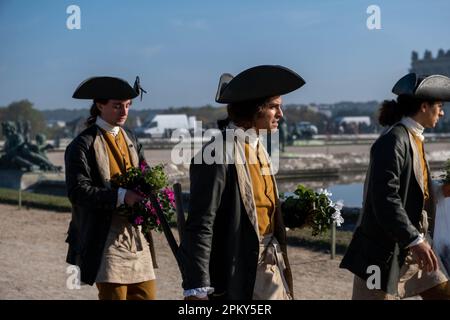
(121, 196)
(417, 241)
(198, 292)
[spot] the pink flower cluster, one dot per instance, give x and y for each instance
(138, 221)
(143, 166)
(170, 195)
(152, 210)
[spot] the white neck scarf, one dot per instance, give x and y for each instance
(114, 130)
(413, 126)
(250, 134)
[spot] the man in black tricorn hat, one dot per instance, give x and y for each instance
(108, 249)
(391, 251)
(234, 243)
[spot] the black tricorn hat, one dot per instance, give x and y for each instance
(435, 87)
(107, 88)
(257, 83)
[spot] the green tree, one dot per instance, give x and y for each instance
(23, 111)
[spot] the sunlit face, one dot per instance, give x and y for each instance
(270, 115)
(115, 112)
(431, 113)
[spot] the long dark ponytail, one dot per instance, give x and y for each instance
(94, 112)
(392, 111)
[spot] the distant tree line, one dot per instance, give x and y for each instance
(24, 110)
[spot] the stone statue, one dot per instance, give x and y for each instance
(41, 147)
(26, 128)
(22, 155)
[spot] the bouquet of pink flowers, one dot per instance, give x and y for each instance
(146, 180)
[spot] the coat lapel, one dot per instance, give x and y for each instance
(245, 184)
(132, 150)
(416, 162)
(102, 159)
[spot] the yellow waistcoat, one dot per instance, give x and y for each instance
(118, 154)
(263, 191)
(423, 166)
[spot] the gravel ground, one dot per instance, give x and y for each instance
(32, 263)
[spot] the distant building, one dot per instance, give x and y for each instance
(353, 125)
(56, 124)
(162, 125)
(356, 120)
(429, 65)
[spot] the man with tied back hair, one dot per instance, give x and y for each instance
(108, 249)
(395, 229)
(234, 243)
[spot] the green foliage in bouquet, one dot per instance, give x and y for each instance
(307, 207)
(156, 177)
(146, 180)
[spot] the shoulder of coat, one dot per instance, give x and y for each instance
(87, 136)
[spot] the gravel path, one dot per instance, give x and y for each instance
(32, 262)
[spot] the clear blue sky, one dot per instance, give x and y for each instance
(180, 48)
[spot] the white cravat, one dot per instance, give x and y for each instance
(413, 126)
(113, 130)
(244, 134)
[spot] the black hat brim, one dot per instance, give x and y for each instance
(105, 88)
(257, 83)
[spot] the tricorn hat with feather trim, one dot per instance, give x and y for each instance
(107, 88)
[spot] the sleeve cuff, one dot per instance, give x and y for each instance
(198, 292)
(418, 240)
(120, 196)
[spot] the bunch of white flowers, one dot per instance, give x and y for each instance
(306, 207)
